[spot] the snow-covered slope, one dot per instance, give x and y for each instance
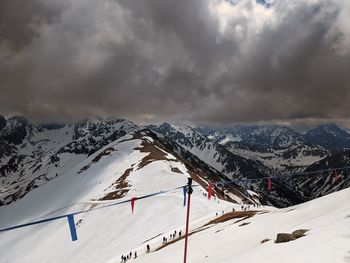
(130, 166)
(31, 155)
(134, 165)
(327, 240)
(140, 163)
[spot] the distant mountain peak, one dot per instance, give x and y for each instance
(329, 136)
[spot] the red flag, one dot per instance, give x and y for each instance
(133, 204)
(268, 184)
(210, 189)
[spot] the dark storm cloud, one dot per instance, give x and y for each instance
(18, 20)
(200, 60)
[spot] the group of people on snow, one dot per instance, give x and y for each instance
(171, 237)
(247, 207)
(128, 256)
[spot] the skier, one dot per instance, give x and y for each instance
(124, 259)
(135, 254)
(148, 248)
(130, 255)
(179, 233)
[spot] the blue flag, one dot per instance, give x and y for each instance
(185, 192)
(73, 231)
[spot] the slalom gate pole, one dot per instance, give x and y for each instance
(189, 191)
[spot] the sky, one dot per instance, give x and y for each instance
(205, 61)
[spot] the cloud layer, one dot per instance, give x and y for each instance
(198, 60)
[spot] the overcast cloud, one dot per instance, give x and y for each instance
(196, 60)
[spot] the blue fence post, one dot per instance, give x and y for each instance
(73, 231)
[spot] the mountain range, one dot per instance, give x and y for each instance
(33, 154)
(97, 166)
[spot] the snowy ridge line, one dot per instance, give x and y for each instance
(89, 210)
(318, 172)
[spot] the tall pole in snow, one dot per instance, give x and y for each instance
(189, 191)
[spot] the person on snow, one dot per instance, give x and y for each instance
(124, 259)
(179, 233)
(130, 255)
(135, 254)
(148, 248)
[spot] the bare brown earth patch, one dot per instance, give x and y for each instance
(232, 215)
(265, 240)
(121, 186)
(176, 170)
(154, 154)
(106, 152)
